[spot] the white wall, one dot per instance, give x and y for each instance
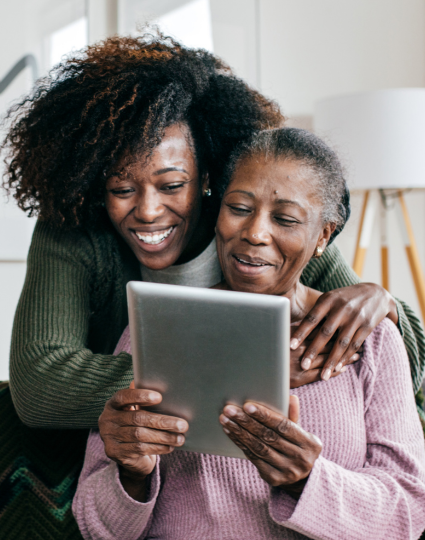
(25, 27)
(311, 49)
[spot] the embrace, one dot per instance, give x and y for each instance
(147, 160)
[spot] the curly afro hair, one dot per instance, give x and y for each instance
(120, 96)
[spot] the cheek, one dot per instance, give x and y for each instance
(227, 225)
(116, 209)
(294, 244)
(189, 206)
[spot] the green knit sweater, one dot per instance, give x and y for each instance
(73, 309)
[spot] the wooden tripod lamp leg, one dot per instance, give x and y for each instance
(411, 251)
(384, 248)
(365, 231)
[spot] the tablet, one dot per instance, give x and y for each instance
(203, 348)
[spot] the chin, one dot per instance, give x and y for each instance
(250, 287)
(157, 261)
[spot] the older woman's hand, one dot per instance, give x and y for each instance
(282, 451)
(347, 315)
(133, 436)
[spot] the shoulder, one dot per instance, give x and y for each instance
(384, 358)
(385, 339)
(92, 247)
(124, 343)
(53, 242)
(329, 271)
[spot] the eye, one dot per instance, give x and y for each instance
(241, 210)
(122, 192)
(286, 222)
(173, 187)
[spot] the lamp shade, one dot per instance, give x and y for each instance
(380, 136)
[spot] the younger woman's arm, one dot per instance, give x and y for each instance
(353, 309)
(56, 379)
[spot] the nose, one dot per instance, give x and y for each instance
(257, 230)
(149, 206)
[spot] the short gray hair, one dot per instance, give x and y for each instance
(305, 147)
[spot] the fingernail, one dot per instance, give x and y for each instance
(327, 374)
(306, 363)
(338, 367)
(355, 356)
(344, 369)
(180, 439)
(294, 343)
(230, 411)
(152, 396)
(226, 431)
(181, 426)
(224, 419)
(250, 408)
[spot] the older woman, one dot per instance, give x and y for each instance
(354, 466)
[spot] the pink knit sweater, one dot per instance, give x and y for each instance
(369, 481)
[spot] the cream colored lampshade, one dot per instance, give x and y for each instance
(380, 136)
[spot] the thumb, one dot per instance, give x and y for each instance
(294, 409)
(132, 384)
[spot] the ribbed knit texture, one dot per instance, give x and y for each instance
(369, 481)
(73, 309)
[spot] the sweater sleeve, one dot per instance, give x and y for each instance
(385, 499)
(331, 271)
(56, 380)
(101, 507)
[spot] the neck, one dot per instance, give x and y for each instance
(302, 300)
(201, 238)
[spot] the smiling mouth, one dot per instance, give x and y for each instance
(252, 263)
(154, 238)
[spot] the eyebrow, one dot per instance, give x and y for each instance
(169, 169)
(287, 201)
(278, 201)
(249, 193)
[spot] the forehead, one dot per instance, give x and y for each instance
(175, 149)
(266, 175)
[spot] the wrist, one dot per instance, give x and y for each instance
(135, 485)
(392, 311)
(295, 490)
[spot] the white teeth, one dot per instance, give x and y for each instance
(251, 264)
(154, 238)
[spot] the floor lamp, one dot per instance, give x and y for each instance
(381, 138)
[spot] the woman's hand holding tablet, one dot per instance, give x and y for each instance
(282, 451)
(133, 437)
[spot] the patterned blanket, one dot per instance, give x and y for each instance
(39, 471)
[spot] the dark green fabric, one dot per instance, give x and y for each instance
(70, 316)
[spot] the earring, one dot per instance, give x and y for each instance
(207, 192)
(318, 252)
